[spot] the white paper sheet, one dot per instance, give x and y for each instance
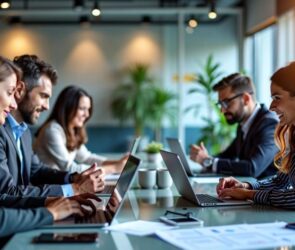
(206, 179)
(140, 227)
(243, 236)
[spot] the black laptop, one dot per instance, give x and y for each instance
(105, 217)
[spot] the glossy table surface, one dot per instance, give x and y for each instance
(150, 205)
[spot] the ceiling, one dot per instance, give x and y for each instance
(115, 11)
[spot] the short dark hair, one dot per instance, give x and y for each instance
(63, 112)
(237, 82)
(7, 68)
(33, 68)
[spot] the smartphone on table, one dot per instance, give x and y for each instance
(182, 221)
(66, 238)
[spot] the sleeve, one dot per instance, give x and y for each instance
(18, 220)
(9, 185)
(259, 154)
(21, 202)
(86, 157)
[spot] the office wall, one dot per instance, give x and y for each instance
(94, 57)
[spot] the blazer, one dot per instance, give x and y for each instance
(12, 181)
(255, 156)
(18, 220)
(51, 147)
(21, 202)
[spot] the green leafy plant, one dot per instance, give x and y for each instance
(217, 133)
(163, 106)
(132, 99)
(142, 101)
(153, 147)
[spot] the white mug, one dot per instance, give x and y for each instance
(147, 178)
(164, 179)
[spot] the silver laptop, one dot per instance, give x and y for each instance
(176, 148)
(105, 217)
(108, 189)
(181, 181)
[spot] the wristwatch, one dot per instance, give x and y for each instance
(208, 162)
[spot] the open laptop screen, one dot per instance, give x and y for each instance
(122, 186)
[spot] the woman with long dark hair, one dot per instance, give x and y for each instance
(60, 141)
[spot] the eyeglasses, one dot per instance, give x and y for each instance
(225, 103)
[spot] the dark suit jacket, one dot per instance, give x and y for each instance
(17, 220)
(12, 182)
(21, 202)
(257, 151)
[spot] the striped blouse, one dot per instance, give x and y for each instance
(278, 190)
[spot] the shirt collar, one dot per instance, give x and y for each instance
(17, 128)
(246, 126)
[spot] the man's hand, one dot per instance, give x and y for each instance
(230, 182)
(237, 193)
(62, 208)
(199, 153)
(89, 181)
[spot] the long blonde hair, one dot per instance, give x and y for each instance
(285, 140)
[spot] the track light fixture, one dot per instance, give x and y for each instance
(4, 4)
(96, 9)
(192, 22)
(212, 13)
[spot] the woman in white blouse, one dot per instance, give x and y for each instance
(60, 141)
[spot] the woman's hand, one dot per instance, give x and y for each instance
(230, 182)
(237, 194)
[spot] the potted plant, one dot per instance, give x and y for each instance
(163, 106)
(217, 133)
(153, 152)
(132, 99)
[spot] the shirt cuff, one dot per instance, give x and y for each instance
(254, 184)
(214, 165)
(67, 190)
(67, 178)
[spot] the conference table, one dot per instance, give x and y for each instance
(150, 204)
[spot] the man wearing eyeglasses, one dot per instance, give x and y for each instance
(251, 152)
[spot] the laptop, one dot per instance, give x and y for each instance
(106, 216)
(108, 189)
(182, 183)
(176, 148)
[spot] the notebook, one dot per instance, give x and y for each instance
(176, 148)
(105, 217)
(182, 183)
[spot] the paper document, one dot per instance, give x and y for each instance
(206, 179)
(140, 227)
(243, 236)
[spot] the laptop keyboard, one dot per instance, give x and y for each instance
(99, 217)
(108, 189)
(205, 198)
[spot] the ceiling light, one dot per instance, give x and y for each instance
(5, 4)
(192, 22)
(96, 10)
(212, 13)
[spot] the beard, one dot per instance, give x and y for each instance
(27, 111)
(236, 117)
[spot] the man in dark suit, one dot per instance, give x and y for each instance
(21, 171)
(39, 211)
(251, 152)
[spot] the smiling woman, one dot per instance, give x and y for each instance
(60, 141)
(9, 75)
